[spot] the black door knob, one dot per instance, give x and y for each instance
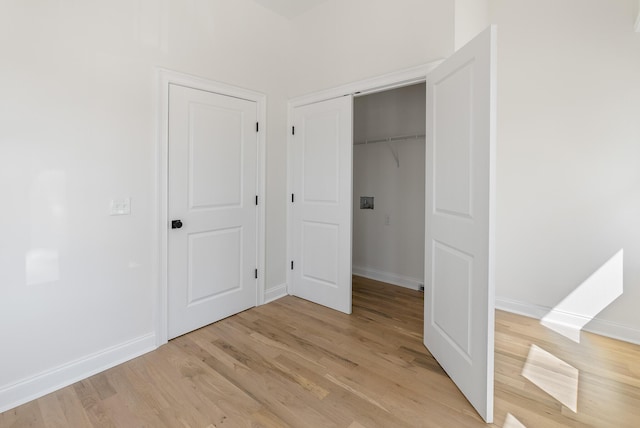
(176, 224)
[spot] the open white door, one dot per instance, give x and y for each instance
(322, 155)
(459, 253)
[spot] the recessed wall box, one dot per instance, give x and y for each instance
(366, 202)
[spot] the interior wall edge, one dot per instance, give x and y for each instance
(51, 380)
(596, 325)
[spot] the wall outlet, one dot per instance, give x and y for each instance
(121, 206)
(387, 219)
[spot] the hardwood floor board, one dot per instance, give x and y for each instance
(102, 386)
(222, 399)
(399, 392)
(361, 411)
(72, 407)
(180, 393)
(128, 397)
(93, 405)
(298, 341)
(27, 415)
(51, 410)
(265, 386)
(345, 332)
(301, 408)
(306, 380)
(386, 336)
(292, 363)
(139, 387)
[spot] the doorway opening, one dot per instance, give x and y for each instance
(389, 186)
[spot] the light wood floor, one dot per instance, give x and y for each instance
(293, 363)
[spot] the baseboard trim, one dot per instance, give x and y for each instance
(51, 380)
(275, 293)
(391, 278)
(596, 325)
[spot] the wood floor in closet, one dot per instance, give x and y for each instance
(292, 363)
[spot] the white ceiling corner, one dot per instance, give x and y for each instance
(289, 8)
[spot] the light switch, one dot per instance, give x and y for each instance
(120, 206)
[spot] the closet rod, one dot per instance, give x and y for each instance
(391, 139)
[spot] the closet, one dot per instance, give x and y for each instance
(389, 185)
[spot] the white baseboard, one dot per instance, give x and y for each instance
(274, 293)
(391, 278)
(51, 380)
(595, 325)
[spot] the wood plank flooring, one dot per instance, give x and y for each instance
(292, 363)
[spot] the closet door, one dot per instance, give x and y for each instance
(459, 210)
(321, 198)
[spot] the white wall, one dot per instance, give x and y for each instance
(392, 252)
(471, 17)
(568, 152)
(343, 41)
(77, 128)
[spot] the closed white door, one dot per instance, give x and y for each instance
(459, 253)
(322, 156)
(212, 241)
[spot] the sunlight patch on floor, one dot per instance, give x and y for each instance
(554, 376)
(512, 422)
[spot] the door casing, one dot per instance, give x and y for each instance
(385, 82)
(164, 78)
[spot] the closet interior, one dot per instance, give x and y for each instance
(389, 185)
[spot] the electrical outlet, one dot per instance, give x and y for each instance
(121, 206)
(387, 219)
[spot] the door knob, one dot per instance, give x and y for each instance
(176, 224)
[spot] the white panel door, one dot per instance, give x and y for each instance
(322, 156)
(459, 253)
(212, 254)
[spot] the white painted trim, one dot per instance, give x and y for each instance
(596, 325)
(275, 293)
(388, 277)
(637, 26)
(43, 383)
(384, 82)
(164, 79)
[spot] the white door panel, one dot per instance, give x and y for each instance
(459, 254)
(212, 188)
(322, 156)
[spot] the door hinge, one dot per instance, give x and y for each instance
(256, 273)
(293, 130)
(256, 199)
(293, 198)
(257, 127)
(291, 264)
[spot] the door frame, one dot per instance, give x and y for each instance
(164, 78)
(372, 85)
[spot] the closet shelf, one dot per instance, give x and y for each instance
(390, 139)
(392, 147)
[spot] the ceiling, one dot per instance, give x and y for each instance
(289, 8)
